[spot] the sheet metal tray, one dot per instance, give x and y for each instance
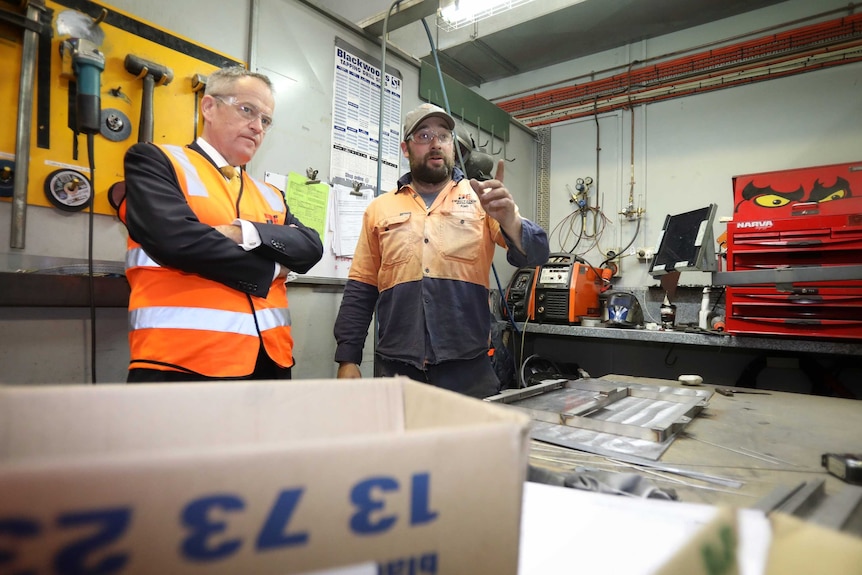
(644, 412)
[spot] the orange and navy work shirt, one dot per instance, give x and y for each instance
(426, 269)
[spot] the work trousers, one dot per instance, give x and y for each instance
(474, 377)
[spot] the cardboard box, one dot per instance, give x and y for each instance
(259, 477)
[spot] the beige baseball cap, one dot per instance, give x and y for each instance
(423, 112)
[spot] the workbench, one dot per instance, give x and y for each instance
(573, 530)
(823, 367)
(794, 428)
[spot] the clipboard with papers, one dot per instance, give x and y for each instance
(347, 204)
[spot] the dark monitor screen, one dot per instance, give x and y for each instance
(685, 243)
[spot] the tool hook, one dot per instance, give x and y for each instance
(479, 133)
(492, 152)
(504, 153)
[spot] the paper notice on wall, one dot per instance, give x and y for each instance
(356, 107)
(307, 202)
(347, 207)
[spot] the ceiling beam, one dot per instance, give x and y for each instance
(406, 12)
(510, 68)
(456, 69)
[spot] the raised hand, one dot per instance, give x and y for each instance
(498, 202)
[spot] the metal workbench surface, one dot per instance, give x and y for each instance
(765, 441)
(700, 339)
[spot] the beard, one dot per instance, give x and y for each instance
(422, 172)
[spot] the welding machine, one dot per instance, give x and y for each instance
(519, 294)
(566, 288)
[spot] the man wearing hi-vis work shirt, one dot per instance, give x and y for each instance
(424, 257)
(210, 247)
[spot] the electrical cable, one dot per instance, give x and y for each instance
(623, 251)
(91, 279)
(634, 237)
(521, 379)
(579, 216)
(443, 90)
(510, 315)
(383, 43)
(648, 315)
(520, 349)
(598, 216)
(378, 188)
(461, 158)
(562, 240)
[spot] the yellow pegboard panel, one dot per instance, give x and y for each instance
(173, 104)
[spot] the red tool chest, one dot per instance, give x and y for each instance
(793, 219)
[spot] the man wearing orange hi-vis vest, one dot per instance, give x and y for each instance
(210, 247)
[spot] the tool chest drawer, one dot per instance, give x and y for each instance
(834, 240)
(810, 310)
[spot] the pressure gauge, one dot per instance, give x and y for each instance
(69, 190)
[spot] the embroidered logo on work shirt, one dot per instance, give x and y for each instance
(464, 200)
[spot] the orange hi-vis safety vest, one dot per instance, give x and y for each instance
(181, 321)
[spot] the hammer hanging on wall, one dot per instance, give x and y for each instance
(153, 75)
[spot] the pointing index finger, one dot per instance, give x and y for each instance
(498, 175)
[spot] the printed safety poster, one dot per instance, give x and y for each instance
(356, 110)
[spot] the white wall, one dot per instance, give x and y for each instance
(687, 150)
(43, 345)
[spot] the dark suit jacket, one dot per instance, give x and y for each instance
(160, 219)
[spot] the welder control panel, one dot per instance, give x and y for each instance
(555, 275)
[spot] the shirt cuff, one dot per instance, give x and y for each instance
(250, 235)
(251, 239)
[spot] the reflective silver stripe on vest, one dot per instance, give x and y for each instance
(137, 257)
(273, 318)
(204, 319)
(193, 182)
(276, 200)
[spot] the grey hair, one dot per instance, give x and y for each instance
(222, 80)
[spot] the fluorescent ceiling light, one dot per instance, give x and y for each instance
(454, 14)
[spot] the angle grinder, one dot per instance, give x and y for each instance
(86, 62)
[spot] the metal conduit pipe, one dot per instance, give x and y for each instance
(848, 9)
(22, 134)
(694, 85)
(827, 43)
(686, 77)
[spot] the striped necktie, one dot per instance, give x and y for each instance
(233, 179)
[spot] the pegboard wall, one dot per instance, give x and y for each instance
(56, 152)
